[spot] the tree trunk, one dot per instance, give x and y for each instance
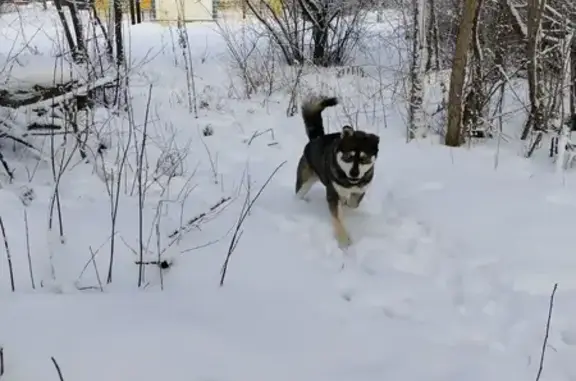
(536, 117)
(475, 100)
(138, 12)
(78, 30)
(118, 33)
(320, 37)
(66, 28)
(433, 58)
(105, 33)
(415, 111)
(458, 76)
(132, 12)
(573, 83)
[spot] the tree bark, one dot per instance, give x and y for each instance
(433, 59)
(536, 117)
(458, 76)
(573, 83)
(138, 12)
(475, 99)
(415, 110)
(78, 30)
(66, 28)
(132, 12)
(118, 33)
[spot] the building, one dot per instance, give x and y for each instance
(187, 10)
(167, 10)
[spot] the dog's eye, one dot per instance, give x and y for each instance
(365, 160)
(347, 156)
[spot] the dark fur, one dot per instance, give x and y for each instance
(318, 162)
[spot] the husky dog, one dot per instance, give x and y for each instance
(342, 161)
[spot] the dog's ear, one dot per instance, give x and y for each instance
(374, 141)
(347, 131)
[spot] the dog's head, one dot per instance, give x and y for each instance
(356, 152)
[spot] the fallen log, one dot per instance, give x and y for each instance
(41, 110)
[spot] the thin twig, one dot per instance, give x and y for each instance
(243, 214)
(545, 343)
(193, 221)
(164, 264)
(8, 256)
(28, 250)
(93, 260)
(115, 197)
(1, 361)
(141, 189)
(57, 369)
(159, 254)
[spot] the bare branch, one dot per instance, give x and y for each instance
(545, 342)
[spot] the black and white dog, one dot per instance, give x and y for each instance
(342, 161)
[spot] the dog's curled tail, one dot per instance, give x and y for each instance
(312, 114)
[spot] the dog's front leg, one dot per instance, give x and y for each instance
(355, 200)
(335, 211)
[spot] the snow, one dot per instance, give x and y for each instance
(449, 276)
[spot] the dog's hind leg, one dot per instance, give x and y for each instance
(335, 211)
(305, 178)
(355, 200)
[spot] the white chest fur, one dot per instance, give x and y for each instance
(346, 192)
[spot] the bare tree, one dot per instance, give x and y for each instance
(117, 4)
(508, 41)
(536, 116)
(415, 111)
(433, 43)
(78, 29)
(336, 28)
(573, 82)
(67, 31)
(458, 76)
(476, 97)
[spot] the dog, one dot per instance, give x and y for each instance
(343, 162)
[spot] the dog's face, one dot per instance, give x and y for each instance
(357, 152)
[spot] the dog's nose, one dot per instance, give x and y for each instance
(354, 173)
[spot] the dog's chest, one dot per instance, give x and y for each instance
(345, 192)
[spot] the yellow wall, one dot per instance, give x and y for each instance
(102, 6)
(276, 6)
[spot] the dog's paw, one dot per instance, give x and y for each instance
(353, 202)
(343, 239)
(302, 198)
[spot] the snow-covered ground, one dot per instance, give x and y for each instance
(449, 277)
